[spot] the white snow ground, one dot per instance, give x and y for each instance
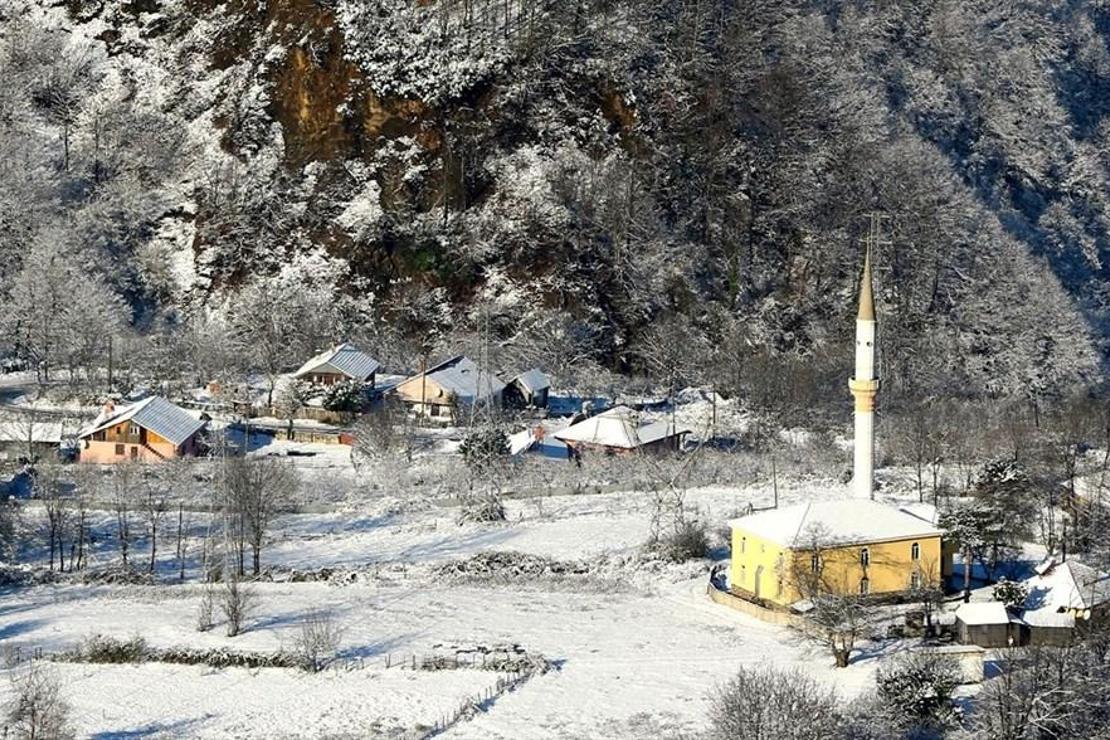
(637, 649)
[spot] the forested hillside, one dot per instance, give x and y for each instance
(669, 187)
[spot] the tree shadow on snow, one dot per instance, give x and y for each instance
(15, 629)
(179, 728)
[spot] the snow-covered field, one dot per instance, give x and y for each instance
(636, 645)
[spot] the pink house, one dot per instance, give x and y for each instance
(151, 430)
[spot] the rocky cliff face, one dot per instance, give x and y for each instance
(621, 176)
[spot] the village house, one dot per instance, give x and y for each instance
(528, 390)
(1067, 588)
(340, 364)
(452, 385)
(845, 547)
(152, 430)
(29, 439)
(620, 430)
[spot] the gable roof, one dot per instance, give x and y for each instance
(1066, 586)
(462, 377)
(844, 522)
(533, 380)
(618, 427)
(345, 359)
(154, 414)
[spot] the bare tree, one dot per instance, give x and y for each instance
(36, 710)
(822, 573)
(154, 509)
(257, 490)
(318, 639)
(206, 609)
(237, 603)
(48, 488)
(122, 504)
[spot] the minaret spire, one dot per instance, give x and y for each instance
(864, 383)
(866, 297)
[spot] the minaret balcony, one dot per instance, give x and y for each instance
(864, 386)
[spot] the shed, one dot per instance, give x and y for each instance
(1047, 627)
(528, 390)
(986, 624)
(455, 383)
(621, 430)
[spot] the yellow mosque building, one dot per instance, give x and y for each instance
(846, 546)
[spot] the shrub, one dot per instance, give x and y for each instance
(688, 540)
(918, 687)
(36, 710)
(769, 704)
(237, 604)
(1010, 593)
(482, 507)
(205, 609)
(104, 649)
(318, 639)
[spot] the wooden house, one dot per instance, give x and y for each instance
(454, 384)
(340, 364)
(152, 430)
(620, 431)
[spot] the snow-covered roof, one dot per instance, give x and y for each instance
(1066, 586)
(841, 522)
(618, 427)
(923, 511)
(533, 380)
(981, 613)
(345, 359)
(48, 431)
(1048, 618)
(155, 414)
(462, 377)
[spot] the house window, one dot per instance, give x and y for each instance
(915, 551)
(743, 573)
(133, 429)
(864, 586)
(865, 557)
(134, 453)
(815, 562)
(743, 544)
(119, 449)
(915, 579)
(778, 588)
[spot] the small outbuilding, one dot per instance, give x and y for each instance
(1068, 587)
(1047, 627)
(528, 390)
(986, 624)
(620, 430)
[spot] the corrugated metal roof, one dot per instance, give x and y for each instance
(462, 377)
(344, 358)
(533, 380)
(154, 414)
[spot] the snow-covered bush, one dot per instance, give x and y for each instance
(105, 649)
(318, 639)
(918, 687)
(766, 704)
(687, 540)
(348, 396)
(1010, 593)
(36, 709)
